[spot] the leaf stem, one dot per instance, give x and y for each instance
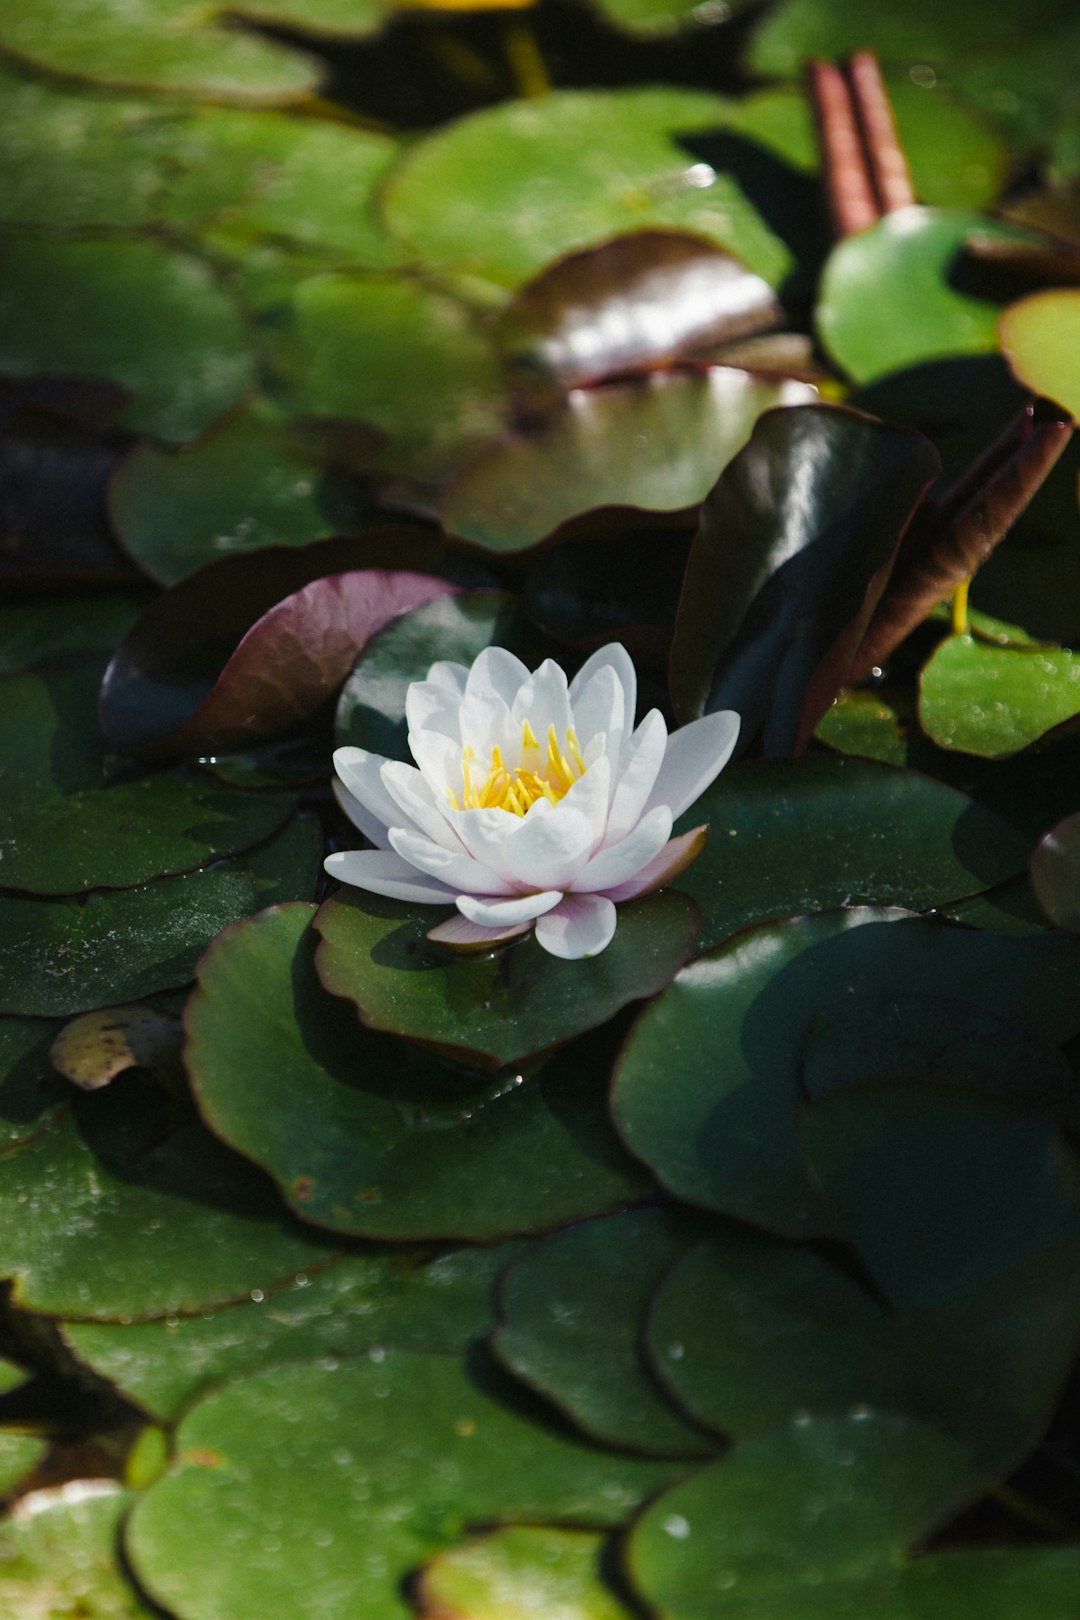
(960, 622)
(526, 62)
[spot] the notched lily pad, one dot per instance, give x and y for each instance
(987, 700)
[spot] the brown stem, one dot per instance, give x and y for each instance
(847, 180)
(889, 172)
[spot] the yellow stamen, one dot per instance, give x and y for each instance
(516, 789)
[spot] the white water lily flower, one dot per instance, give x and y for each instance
(532, 803)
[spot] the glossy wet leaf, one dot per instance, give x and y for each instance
(357, 1501)
(707, 1089)
(860, 722)
(293, 658)
(63, 1557)
(657, 445)
(790, 555)
(815, 1517)
(359, 1302)
(366, 1136)
(571, 1313)
(748, 1332)
(31, 1091)
(94, 1048)
(900, 293)
(1041, 339)
(127, 1208)
(413, 362)
(988, 700)
(532, 181)
(136, 313)
(71, 955)
(493, 1010)
(252, 481)
(520, 1573)
(1055, 874)
(804, 835)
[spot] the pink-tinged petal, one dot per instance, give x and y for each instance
(550, 847)
(544, 703)
(616, 655)
(381, 872)
(457, 870)
(464, 935)
(619, 862)
(599, 711)
(676, 855)
(583, 925)
(642, 760)
(360, 816)
(417, 804)
(498, 913)
(696, 754)
(361, 773)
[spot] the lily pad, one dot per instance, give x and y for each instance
(1055, 874)
(521, 1572)
(892, 296)
(18, 1454)
(365, 1136)
(33, 633)
(533, 180)
(94, 1048)
(31, 1091)
(652, 446)
(500, 1010)
(339, 1481)
(138, 314)
(59, 1555)
(805, 835)
(987, 700)
(357, 1303)
(861, 722)
(1041, 339)
(124, 1208)
(707, 1088)
(571, 1312)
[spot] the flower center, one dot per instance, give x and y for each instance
(537, 775)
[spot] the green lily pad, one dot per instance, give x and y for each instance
(31, 1092)
(524, 1571)
(124, 1208)
(890, 299)
(571, 1312)
(253, 480)
(355, 1304)
(987, 700)
(653, 446)
(494, 1010)
(1041, 339)
(67, 956)
(814, 1518)
(288, 866)
(861, 722)
(707, 1088)
(1055, 874)
(18, 1454)
(339, 1481)
(364, 1135)
(33, 633)
(532, 181)
(65, 827)
(659, 18)
(748, 1332)
(789, 836)
(412, 362)
(64, 1558)
(135, 313)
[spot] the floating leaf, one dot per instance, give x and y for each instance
(423, 1451)
(31, 1092)
(730, 1030)
(571, 1311)
(532, 181)
(365, 1136)
(19, 1453)
(289, 865)
(525, 1570)
(288, 662)
(653, 446)
(153, 320)
(94, 1048)
(781, 576)
(125, 1208)
(355, 1304)
(1041, 339)
(59, 1555)
(861, 722)
(793, 836)
(1055, 874)
(33, 633)
(990, 700)
(493, 1010)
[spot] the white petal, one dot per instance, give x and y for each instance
(619, 862)
(452, 677)
(496, 913)
(464, 935)
(600, 715)
(485, 834)
(641, 763)
(544, 703)
(496, 676)
(549, 847)
(370, 825)
(620, 661)
(696, 754)
(664, 868)
(383, 873)
(582, 925)
(439, 759)
(458, 870)
(361, 773)
(432, 708)
(417, 804)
